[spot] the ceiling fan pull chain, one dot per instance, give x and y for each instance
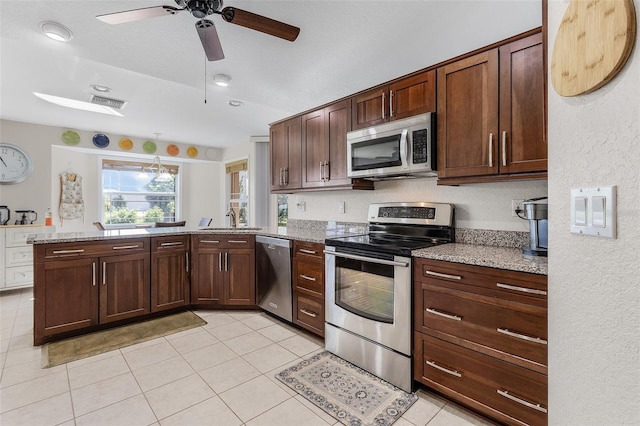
(205, 72)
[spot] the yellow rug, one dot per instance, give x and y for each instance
(75, 348)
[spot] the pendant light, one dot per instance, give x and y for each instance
(162, 174)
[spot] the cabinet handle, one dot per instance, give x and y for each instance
(309, 313)
(322, 171)
(68, 251)
(441, 275)
(327, 172)
(220, 261)
(522, 289)
(186, 257)
(177, 243)
(390, 103)
(383, 117)
(446, 370)
(442, 314)
(507, 395)
(104, 273)
(238, 241)
(521, 336)
(504, 148)
(307, 277)
(226, 261)
(491, 149)
(210, 241)
(307, 251)
(125, 247)
(93, 266)
(286, 176)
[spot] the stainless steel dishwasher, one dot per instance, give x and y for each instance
(273, 276)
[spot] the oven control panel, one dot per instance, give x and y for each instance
(408, 212)
(419, 213)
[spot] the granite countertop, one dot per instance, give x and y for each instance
(495, 257)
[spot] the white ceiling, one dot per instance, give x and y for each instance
(158, 65)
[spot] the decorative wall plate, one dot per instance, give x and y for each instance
(192, 151)
(100, 140)
(149, 147)
(126, 144)
(70, 137)
(173, 150)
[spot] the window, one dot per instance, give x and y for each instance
(238, 178)
(283, 209)
(135, 193)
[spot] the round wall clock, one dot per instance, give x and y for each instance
(15, 164)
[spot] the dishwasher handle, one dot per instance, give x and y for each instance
(279, 242)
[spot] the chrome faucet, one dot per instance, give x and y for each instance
(232, 217)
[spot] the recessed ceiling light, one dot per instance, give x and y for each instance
(56, 31)
(100, 88)
(221, 80)
(72, 103)
(235, 103)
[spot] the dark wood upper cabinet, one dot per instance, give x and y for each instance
(403, 98)
(491, 113)
(285, 147)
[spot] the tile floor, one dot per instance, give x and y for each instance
(218, 374)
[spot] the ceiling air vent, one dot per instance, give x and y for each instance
(108, 102)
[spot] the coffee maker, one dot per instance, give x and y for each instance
(535, 211)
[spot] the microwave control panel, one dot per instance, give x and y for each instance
(419, 144)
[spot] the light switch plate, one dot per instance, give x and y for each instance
(593, 211)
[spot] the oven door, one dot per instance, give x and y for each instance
(370, 295)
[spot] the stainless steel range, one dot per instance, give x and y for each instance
(369, 286)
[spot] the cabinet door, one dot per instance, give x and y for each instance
(523, 144)
(169, 275)
(285, 146)
(125, 289)
(413, 95)
(468, 116)
(314, 148)
(337, 119)
(369, 108)
(240, 285)
(207, 278)
(66, 297)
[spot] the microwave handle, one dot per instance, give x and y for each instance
(404, 148)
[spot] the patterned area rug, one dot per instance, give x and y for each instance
(348, 393)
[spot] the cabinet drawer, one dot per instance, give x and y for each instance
(307, 250)
(510, 393)
(19, 276)
(309, 277)
(308, 312)
(96, 248)
(18, 236)
(175, 242)
(509, 285)
(514, 328)
(224, 241)
(16, 256)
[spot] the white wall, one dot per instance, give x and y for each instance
(594, 283)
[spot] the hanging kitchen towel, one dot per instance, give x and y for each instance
(71, 203)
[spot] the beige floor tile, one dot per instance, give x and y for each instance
(27, 372)
(50, 411)
(264, 395)
(246, 343)
(161, 373)
(403, 422)
(150, 355)
(4, 344)
(300, 345)
(133, 411)
(102, 394)
(97, 371)
(243, 315)
(328, 418)
(450, 415)
(21, 342)
(277, 332)
(258, 321)
(424, 409)
(229, 331)
(270, 357)
(182, 333)
(26, 393)
(176, 396)
(191, 342)
(208, 357)
(23, 356)
(289, 413)
(229, 374)
(212, 412)
(216, 319)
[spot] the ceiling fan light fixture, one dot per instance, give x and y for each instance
(56, 31)
(100, 88)
(221, 80)
(234, 103)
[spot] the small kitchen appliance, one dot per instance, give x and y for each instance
(5, 214)
(369, 287)
(535, 211)
(25, 217)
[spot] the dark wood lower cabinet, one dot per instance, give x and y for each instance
(124, 292)
(308, 286)
(170, 265)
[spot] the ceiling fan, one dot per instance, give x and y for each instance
(205, 28)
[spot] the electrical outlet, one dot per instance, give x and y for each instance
(302, 206)
(517, 205)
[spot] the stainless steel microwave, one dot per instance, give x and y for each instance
(401, 148)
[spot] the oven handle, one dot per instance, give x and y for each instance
(367, 259)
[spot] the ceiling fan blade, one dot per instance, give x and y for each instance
(210, 41)
(260, 23)
(138, 14)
